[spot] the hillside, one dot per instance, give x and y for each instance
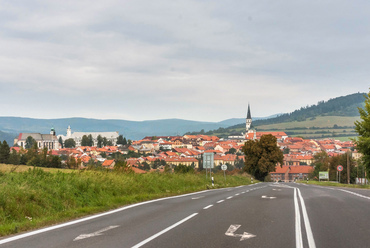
(334, 118)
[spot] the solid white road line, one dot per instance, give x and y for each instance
(164, 231)
(311, 241)
(209, 206)
(7, 240)
(298, 231)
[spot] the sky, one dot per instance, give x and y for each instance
(196, 60)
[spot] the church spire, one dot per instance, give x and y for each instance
(249, 112)
(248, 121)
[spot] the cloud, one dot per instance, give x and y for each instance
(201, 60)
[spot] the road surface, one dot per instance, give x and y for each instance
(259, 215)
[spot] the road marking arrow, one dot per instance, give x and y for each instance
(231, 232)
(268, 197)
(98, 233)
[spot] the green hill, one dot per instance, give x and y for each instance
(334, 118)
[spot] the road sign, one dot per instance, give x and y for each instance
(324, 175)
(224, 167)
(340, 168)
(208, 160)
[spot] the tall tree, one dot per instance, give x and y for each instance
(124, 141)
(85, 141)
(61, 142)
(100, 141)
(69, 143)
(261, 156)
(362, 127)
(29, 142)
(4, 152)
(120, 140)
(91, 140)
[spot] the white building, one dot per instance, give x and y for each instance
(50, 141)
(77, 136)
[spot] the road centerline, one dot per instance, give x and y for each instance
(164, 231)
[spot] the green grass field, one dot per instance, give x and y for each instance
(35, 198)
(335, 184)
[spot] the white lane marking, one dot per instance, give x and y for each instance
(231, 232)
(97, 233)
(229, 197)
(220, 201)
(311, 241)
(353, 193)
(268, 197)
(229, 190)
(196, 198)
(243, 192)
(247, 191)
(298, 231)
(239, 187)
(277, 189)
(92, 217)
(164, 231)
(209, 206)
(237, 194)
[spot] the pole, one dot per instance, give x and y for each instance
(224, 176)
(348, 170)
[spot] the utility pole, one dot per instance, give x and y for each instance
(348, 169)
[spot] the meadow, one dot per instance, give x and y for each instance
(33, 197)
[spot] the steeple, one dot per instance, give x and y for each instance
(249, 112)
(69, 131)
(248, 121)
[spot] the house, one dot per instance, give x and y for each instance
(291, 173)
(109, 164)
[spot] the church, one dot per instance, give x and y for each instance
(49, 141)
(249, 133)
(77, 136)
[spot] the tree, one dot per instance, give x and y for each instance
(69, 143)
(231, 151)
(91, 140)
(120, 140)
(85, 141)
(362, 127)
(29, 142)
(61, 142)
(4, 152)
(124, 141)
(99, 141)
(261, 156)
(14, 158)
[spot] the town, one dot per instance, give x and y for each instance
(82, 150)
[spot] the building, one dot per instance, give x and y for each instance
(77, 136)
(49, 141)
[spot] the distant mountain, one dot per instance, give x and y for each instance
(12, 126)
(236, 121)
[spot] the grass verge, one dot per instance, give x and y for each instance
(335, 184)
(37, 198)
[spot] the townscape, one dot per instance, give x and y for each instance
(83, 150)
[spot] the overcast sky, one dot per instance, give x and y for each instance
(196, 60)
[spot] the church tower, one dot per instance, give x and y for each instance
(69, 131)
(248, 121)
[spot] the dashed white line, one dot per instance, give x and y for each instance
(209, 206)
(229, 197)
(220, 201)
(237, 194)
(164, 231)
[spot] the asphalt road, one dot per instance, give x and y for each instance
(259, 215)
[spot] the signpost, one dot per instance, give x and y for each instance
(324, 175)
(208, 159)
(224, 168)
(339, 169)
